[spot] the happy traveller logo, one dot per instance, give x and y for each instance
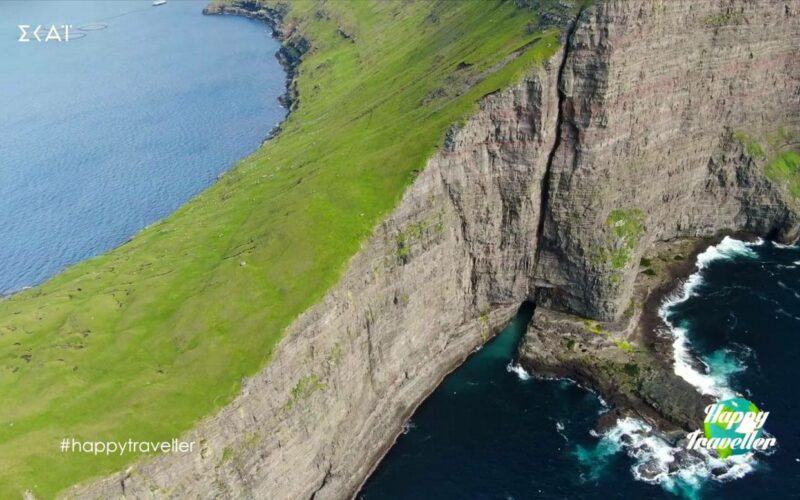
(732, 427)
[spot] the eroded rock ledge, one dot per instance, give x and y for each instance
(629, 360)
(553, 191)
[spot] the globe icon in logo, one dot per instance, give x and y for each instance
(719, 426)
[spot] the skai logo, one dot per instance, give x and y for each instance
(42, 33)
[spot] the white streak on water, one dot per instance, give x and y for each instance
(684, 361)
(520, 371)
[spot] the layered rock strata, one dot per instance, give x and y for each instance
(656, 97)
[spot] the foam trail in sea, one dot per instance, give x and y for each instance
(518, 370)
(685, 363)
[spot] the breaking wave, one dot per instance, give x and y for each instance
(656, 461)
(727, 249)
(518, 370)
(701, 373)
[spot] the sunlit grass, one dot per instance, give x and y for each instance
(785, 170)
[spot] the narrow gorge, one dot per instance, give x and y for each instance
(652, 128)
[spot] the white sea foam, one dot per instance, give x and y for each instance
(520, 371)
(685, 363)
(685, 367)
(408, 427)
(656, 461)
(781, 245)
(560, 431)
(728, 249)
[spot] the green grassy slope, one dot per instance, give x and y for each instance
(785, 170)
(143, 342)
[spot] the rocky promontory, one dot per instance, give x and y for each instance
(627, 361)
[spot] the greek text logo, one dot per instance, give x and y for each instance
(42, 33)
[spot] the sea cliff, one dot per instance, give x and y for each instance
(641, 130)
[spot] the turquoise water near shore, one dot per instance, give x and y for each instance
(111, 131)
(492, 431)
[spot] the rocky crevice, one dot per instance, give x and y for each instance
(560, 122)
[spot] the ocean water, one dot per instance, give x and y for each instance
(493, 431)
(741, 316)
(102, 135)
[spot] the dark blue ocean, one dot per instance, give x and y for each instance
(491, 432)
(102, 135)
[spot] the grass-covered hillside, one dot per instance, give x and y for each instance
(143, 342)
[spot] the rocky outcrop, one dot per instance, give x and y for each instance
(628, 361)
(553, 191)
(631, 379)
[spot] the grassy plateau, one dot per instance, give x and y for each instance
(143, 342)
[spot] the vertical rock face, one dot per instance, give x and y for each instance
(654, 92)
(447, 269)
(552, 190)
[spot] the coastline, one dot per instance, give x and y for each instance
(289, 56)
(650, 322)
(629, 363)
(327, 474)
(289, 61)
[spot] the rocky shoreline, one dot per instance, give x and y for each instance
(293, 45)
(630, 364)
